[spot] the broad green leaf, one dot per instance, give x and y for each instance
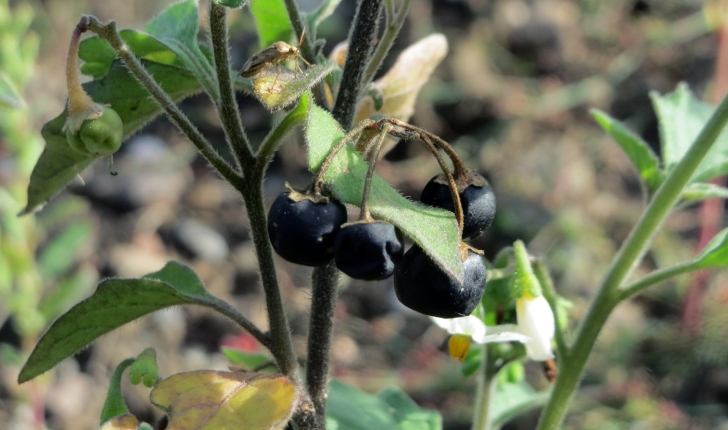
(249, 360)
(9, 97)
(122, 422)
(715, 253)
(407, 413)
(98, 55)
(233, 4)
(699, 191)
(272, 22)
(510, 400)
(115, 405)
(62, 251)
(115, 303)
(401, 84)
(638, 151)
(144, 368)
(349, 408)
(59, 163)
(278, 90)
(435, 230)
(212, 400)
(681, 117)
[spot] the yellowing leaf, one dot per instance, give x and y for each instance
(211, 400)
(122, 422)
(403, 81)
(278, 87)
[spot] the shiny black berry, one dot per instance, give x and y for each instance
(303, 232)
(423, 286)
(368, 250)
(476, 197)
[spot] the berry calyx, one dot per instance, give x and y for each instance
(368, 250)
(99, 136)
(423, 286)
(476, 197)
(303, 227)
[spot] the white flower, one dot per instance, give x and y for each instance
(536, 321)
(465, 328)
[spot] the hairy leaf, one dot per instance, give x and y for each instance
(278, 90)
(59, 163)
(715, 253)
(115, 303)
(435, 230)
(211, 400)
(115, 405)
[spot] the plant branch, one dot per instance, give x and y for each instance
(227, 105)
(308, 46)
(625, 261)
(325, 281)
(108, 32)
(273, 141)
(390, 33)
(243, 322)
(549, 292)
(485, 391)
(363, 32)
(656, 277)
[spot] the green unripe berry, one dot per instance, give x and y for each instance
(99, 136)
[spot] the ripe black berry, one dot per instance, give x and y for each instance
(302, 231)
(476, 197)
(423, 286)
(368, 250)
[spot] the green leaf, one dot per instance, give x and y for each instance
(510, 400)
(638, 151)
(115, 405)
(699, 191)
(278, 90)
(98, 55)
(115, 303)
(681, 117)
(67, 292)
(433, 229)
(349, 408)
(407, 413)
(246, 359)
(59, 163)
(62, 251)
(9, 97)
(233, 4)
(715, 253)
(272, 22)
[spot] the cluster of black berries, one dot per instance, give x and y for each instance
(310, 229)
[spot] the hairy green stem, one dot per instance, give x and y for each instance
(273, 141)
(390, 33)
(308, 48)
(232, 313)
(228, 107)
(325, 281)
(108, 32)
(363, 32)
(629, 255)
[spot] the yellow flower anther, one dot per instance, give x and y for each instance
(459, 345)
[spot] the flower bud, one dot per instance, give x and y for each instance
(99, 136)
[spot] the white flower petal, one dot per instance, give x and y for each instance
(536, 321)
(506, 336)
(469, 325)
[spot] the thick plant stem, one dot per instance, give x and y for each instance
(280, 335)
(484, 395)
(360, 48)
(625, 261)
(229, 115)
(323, 302)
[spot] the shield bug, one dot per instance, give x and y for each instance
(273, 55)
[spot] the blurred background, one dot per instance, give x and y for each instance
(513, 97)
